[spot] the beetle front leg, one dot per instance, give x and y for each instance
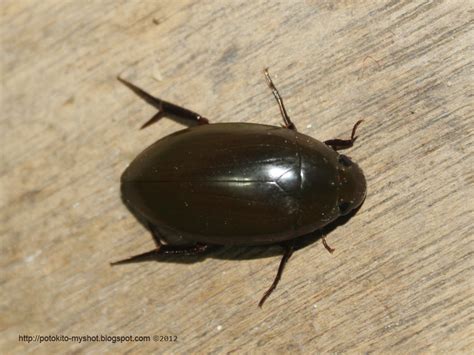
(339, 144)
(286, 118)
(289, 248)
(326, 245)
(165, 108)
(196, 249)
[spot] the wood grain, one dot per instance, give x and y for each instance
(401, 277)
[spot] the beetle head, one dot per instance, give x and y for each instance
(352, 185)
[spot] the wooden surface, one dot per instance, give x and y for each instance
(401, 277)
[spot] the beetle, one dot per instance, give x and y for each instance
(237, 184)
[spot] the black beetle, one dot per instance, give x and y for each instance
(238, 184)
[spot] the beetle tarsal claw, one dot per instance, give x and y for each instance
(353, 136)
(148, 256)
(154, 119)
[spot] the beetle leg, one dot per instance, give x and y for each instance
(196, 249)
(326, 245)
(338, 144)
(165, 108)
(286, 118)
(288, 252)
(165, 250)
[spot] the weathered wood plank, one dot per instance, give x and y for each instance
(401, 277)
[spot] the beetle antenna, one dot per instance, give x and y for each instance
(148, 256)
(288, 252)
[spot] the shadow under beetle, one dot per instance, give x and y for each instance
(237, 184)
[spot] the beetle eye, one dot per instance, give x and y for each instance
(344, 160)
(344, 207)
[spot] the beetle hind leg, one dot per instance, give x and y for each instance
(339, 144)
(165, 108)
(289, 248)
(196, 249)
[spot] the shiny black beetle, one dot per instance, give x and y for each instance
(238, 184)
